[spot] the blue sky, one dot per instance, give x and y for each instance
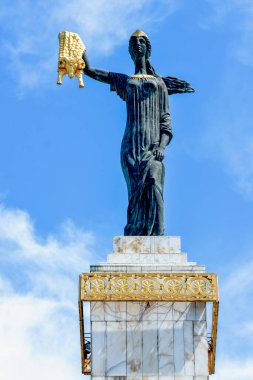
(63, 195)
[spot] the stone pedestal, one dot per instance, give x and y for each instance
(148, 340)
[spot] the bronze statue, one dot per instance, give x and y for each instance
(147, 134)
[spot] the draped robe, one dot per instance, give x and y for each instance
(147, 118)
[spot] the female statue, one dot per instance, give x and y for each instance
(148, 132)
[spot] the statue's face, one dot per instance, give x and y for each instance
(139, 47)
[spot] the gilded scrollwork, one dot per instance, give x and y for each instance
(148, 286)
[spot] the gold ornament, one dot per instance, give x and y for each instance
(148, 286)
(70, 60)
(139, 33)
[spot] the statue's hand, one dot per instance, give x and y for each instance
(86, 61)
(159, 153)
(85, 58)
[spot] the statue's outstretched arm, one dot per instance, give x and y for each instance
(100, 75)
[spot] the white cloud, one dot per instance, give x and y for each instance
(234, 370)
(37, 339)
(235, 326)
(239, 282)
(227, 134)
(236, 293)
(52, 259)
(38, 304)
(229, 138)
(39, 332)
(31, 42)
(104, 24)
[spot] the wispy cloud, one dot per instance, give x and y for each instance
(105, 24)
(235, 332)
(239, 13)
(236, 294)
(229, 139)
(31, 43)
(39, 333)
(38, 304)
(234, 370)
(228, 132)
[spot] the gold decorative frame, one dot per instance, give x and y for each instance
(170, 287)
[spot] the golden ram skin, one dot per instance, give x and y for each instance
(70, 60)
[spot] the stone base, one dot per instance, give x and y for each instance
(149, 340)
(150, 378)
(147, 254)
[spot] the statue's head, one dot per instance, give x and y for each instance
(139, 45)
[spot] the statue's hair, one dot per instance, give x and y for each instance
(150, 69)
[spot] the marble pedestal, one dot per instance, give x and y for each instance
(149, 340)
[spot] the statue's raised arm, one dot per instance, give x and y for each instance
(98, 74)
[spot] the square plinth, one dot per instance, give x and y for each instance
(148, 340)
